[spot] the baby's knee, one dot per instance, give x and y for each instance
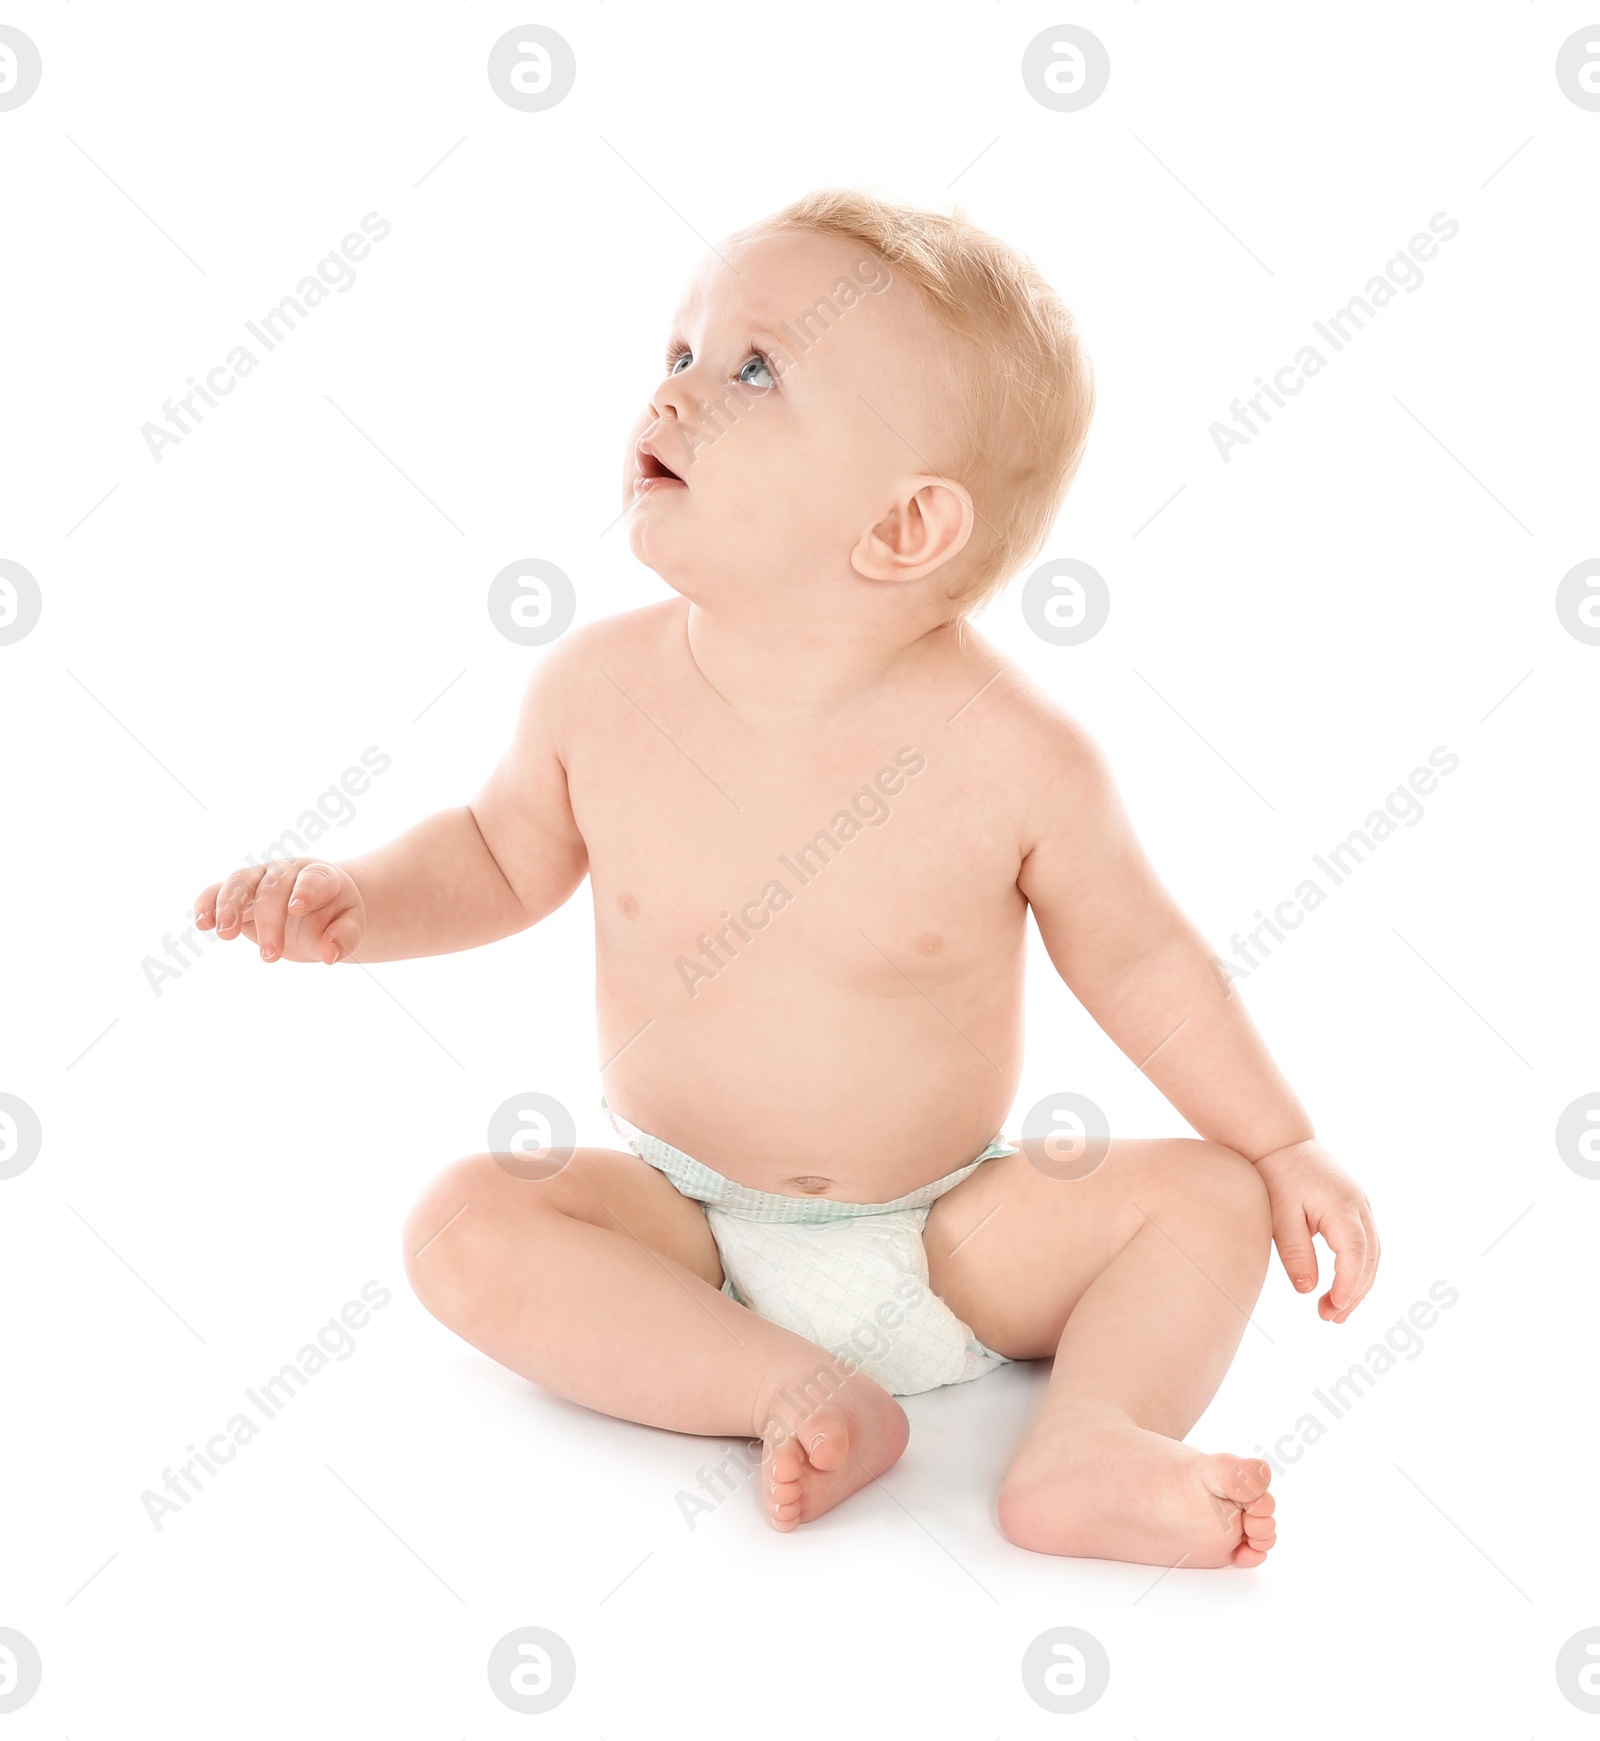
(446, 1238)
(1245, 1192)
(1219, 1183)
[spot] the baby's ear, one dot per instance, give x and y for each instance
(926, 527)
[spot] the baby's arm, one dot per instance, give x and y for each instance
(462, 877)
(1149, 979)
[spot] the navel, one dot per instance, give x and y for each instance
(811, 1185)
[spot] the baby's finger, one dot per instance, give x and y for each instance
(1292, 1237)
(338, 941)
(1343, 1231)
(234, 898)
(205, 908)
(314, 887)
(1369, 1257)
(270, 913)
(1370, 1273)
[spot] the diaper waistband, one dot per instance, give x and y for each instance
(706, 1186)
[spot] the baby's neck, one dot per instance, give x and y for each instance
(808, 668)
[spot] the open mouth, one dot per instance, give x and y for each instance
(653, 471)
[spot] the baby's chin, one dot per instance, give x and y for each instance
(696, 586)
(733, 569)
(678, 555)
(665, 555)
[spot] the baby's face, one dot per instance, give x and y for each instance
(802, 386)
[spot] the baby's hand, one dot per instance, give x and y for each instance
(301, 908)
(1310, 1193)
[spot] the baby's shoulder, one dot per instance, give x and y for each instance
(1020, 715)
(610, 648)
(629, 634)
(1053, 775)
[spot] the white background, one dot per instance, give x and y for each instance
(227, 630)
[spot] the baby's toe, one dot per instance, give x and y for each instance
(1260, 1532)
(785, 1462)
(827, 1438)
(1241, 1479)
(782, 1492)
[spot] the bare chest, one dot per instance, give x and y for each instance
(880, 864)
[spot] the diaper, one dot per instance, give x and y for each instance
(850, 1277)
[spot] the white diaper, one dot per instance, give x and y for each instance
(850, 1277)
(858, 1288)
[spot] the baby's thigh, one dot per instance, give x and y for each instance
(1013, 1248)
(478, 1223)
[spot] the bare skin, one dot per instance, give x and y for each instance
(815, 810)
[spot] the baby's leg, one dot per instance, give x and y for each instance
(1139, 1280)
(601, 1283)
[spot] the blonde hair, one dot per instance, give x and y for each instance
(1027, 383)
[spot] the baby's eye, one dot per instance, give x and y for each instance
(680, 363)
(755, 373)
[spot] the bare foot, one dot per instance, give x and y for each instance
(825, 1435)
(1112, 1491)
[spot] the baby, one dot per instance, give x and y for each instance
(815, 810)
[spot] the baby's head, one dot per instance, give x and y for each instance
(865, 410)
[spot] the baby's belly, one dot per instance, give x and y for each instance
(795, 1083)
